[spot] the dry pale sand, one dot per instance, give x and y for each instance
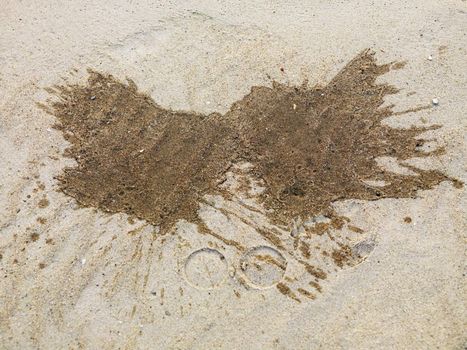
(74, 277)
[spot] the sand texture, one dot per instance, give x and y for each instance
(233, 175)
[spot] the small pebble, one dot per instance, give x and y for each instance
(435, 101)
(83, 261)
(294, 232)
(93, 97)
(430, 58)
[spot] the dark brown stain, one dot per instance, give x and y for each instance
(285, 290)
(43, 203)
(319, 228)
(316, 286)
(270, 260)
(342, 256)
(306, 293)
(34, 236)
(314, 271)
(271, 238)
(305, 249)
(355, 229)
(41, 220)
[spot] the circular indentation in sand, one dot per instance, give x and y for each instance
(206, 268)
(263, 266)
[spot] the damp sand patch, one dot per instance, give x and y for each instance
(309, 146)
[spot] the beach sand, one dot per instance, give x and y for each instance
(230, 272)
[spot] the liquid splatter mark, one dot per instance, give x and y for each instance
(309, 146)
(43, 203)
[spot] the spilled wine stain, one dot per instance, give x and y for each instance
(309, 147)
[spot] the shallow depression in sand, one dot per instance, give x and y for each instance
(206, 269)
(263, 266)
